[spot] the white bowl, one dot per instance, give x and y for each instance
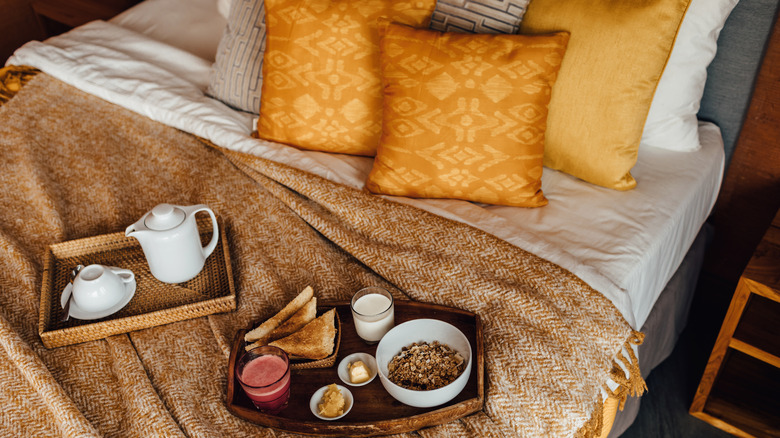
(422, 330)
(367, 359)
(316, 398)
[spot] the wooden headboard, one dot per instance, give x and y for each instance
(750, 195)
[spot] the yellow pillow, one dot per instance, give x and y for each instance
(322, 87)
(465, 115)
(616, 55)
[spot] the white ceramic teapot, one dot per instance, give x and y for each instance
(169, 238)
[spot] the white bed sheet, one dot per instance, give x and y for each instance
(627, 245)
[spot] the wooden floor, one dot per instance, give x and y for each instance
(671, 386)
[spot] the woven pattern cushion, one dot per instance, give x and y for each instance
(322, 87)
(465, 115)
(615, 58)
(478, 16)
(671, 123)
(236, 77)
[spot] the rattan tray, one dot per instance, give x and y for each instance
(154, 303)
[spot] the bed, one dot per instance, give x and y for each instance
(137, 99)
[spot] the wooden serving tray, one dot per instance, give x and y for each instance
(154, 303)
(374, 412)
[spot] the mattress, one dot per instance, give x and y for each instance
(627, 245)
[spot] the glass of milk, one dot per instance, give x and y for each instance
(373, 313)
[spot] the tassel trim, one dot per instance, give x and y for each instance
(12, 79)
(625, 372)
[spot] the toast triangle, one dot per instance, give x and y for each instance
(315, 340)
(264, 329)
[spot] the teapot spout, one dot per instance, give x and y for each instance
(133, 231)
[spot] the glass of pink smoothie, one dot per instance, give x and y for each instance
(264, 374)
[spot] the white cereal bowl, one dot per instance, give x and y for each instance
(367, 359)
(422, 330)
(316, 398)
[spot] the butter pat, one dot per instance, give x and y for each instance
(333, 403)
(358, 372)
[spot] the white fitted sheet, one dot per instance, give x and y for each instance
(627, 245)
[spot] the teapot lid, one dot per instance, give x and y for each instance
(164, 217)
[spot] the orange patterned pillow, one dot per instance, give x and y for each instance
(322, 86)
(465, 115)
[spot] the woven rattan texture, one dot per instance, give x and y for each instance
(12, 79)
(154, 302)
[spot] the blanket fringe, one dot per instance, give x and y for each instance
(629, 382)
(12, 79)
(593, 427)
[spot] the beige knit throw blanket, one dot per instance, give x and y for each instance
(75, 166)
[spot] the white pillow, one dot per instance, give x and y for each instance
(671, 123)
(173, 21)
(223, 6)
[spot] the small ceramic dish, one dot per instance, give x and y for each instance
(317, 398)
(367, 359)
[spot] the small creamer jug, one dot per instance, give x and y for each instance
(171, 243)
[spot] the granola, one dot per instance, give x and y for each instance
(423, 366)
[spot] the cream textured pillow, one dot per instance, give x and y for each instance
(322, 85)
(617, 52)
(671, 122)
(465, 115)
(478, 16)
(236, 77)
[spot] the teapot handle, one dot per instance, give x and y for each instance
(208, 249)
